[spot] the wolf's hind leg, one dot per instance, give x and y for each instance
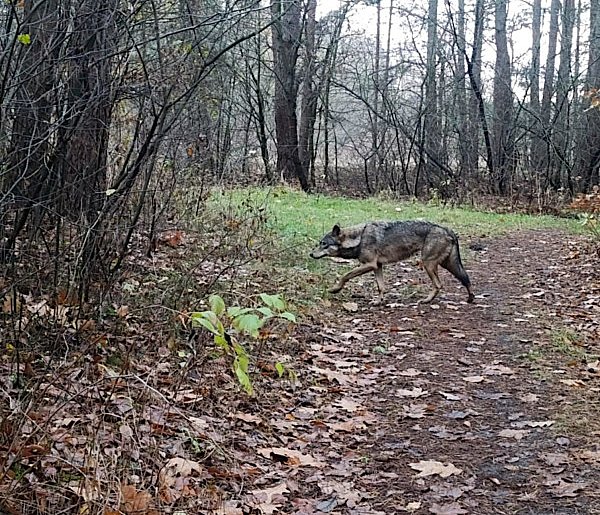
(456, 268)
(431, 269)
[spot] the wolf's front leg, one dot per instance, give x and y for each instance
(380, 284)
(360, 270)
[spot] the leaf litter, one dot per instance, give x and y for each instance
(425, 425)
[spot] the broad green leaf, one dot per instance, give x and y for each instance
(240, 350)
(280, 367)
(24, 39)
(217, 304)
(249, 324)
(240, 366)
(288, 316)
(236, 311)
(273, 301)
(198, 319)
(266, 311)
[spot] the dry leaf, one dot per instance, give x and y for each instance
(517, 434)
(564, 489)
(432, 467)
(351, 307)
(291, 457)
(447, 509)
(270, 499)
(414, 392)
(473, 379)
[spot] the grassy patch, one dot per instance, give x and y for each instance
(568, 343)
(300, 220)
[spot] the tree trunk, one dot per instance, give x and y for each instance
(308, 108)
(563, 88)
(537, 142)
(544, 150)
(589, 149)
(431, 122)
(503, 103)
(286, 31)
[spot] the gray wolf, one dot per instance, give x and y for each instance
(375, 244)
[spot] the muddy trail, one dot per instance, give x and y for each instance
(453, 408)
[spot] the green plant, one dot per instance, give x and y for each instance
(591, 223)
(228, 325)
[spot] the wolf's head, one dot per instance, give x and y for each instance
(337, 243)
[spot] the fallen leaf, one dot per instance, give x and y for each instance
(351, 307)
(269, 500)
(248, 417)
(450, 396)
(497, 370)
(414, 392)
(432, 467)
(447, 509)
(173, 478)
(290, 457)
(517, 434)
(529, 397)
(564, 489)
(474, 379)
(555, 459)
(410, 372)
(415, 410)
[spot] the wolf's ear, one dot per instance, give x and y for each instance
(336, 230)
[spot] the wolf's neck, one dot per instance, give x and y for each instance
(349, 253)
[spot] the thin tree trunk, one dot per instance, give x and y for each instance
(503, 103)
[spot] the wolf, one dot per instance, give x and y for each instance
(378, 243)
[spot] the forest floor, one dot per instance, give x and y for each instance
(484, 408)
(448, 408)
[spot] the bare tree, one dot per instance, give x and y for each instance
(589, 147)
(286, 32)
(503, 103)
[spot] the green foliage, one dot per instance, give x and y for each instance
(229, 325)
(591, 223)
(24, 39)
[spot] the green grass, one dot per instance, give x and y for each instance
(297, 221)
(301, 219)
(568, 343)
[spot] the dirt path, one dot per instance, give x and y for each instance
(477, 393)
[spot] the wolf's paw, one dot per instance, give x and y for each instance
(335, 289)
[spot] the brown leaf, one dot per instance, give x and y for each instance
(517, 434)
(564, 489)
(447, 509)
(173, 478)
(135, 502)
(432, 467)
(290, 457)
(270, 499)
